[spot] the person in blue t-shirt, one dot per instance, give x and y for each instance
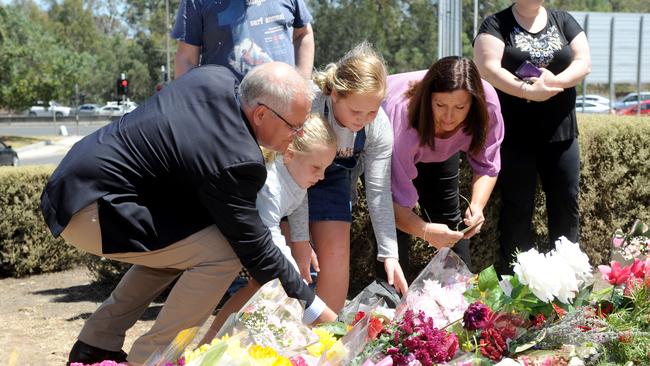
(243, 34)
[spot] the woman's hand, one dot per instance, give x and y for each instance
(305, 256)
(395, 275)
(540, 90)
(440, 235)
(473, 216)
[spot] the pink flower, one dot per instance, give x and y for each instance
(615, 275)
(298, 361)
(638, 268)
(617, 241)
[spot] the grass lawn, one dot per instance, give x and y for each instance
(20, 141)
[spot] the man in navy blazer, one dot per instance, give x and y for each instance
(171, 188)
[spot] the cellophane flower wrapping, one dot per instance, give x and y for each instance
(371, 319)
(438, 290)
(365, 302)
(233, 351)
(174, 350)
(272, 319)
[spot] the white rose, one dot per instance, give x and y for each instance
(533, 269)
(575, 257)
(566, 276)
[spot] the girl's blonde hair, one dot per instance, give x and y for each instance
(360, 71)
(315, 131)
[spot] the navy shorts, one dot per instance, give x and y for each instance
(330, 199)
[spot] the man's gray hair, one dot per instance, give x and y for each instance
(277, 90)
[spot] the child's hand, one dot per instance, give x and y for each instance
(395, 275)
(304, 256)
(326, 316)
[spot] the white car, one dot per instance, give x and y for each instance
(593, 98)
(591, 107)
(111, 110)
(53, 108)
(129, 106)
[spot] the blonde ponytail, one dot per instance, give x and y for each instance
(360, 71)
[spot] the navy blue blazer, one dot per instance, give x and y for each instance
(185, 159)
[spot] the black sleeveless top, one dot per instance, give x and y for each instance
(529, 124)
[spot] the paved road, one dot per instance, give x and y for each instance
(53, 159)
(50, 152)
(48, 128)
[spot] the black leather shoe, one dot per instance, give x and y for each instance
(85, 353)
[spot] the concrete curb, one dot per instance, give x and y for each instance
(33, 146)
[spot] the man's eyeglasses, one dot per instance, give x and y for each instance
(295, 130)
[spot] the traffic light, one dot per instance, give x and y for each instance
(122, 85)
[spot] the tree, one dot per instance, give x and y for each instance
(404, 32)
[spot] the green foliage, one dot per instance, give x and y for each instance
(26, 245)
(106, 272)
(632, 320)
(48, 47)
(44, 53)
(403, 31)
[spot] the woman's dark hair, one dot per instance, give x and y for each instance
(447, 75)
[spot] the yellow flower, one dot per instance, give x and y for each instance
(336, 352)
(191, 355)
(267, 356)
(326, 340)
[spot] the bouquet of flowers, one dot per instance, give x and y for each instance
(438, 290)
(633, 244)
(232, 351)
(625, 306)
(273, 319)
(416, 334)
(502, 311)
(411, 340)
(534, 289)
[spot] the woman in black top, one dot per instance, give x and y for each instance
(539, 116)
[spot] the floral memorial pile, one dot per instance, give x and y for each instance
(547, 313)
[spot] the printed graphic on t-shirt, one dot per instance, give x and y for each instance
(344, 141)
(260, 37)
(540, 48)
(246, 55)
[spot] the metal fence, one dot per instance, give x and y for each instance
(620, 48)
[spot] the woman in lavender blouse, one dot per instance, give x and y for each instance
(435, 115)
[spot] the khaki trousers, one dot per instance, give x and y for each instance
(204, 261)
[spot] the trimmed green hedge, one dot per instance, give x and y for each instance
(615, 190)
(26, 245)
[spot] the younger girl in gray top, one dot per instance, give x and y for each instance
(285, 194)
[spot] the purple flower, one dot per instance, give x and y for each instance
(425, 343)
(477, 316)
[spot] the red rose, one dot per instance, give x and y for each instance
(375, 326)
(358, 317)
